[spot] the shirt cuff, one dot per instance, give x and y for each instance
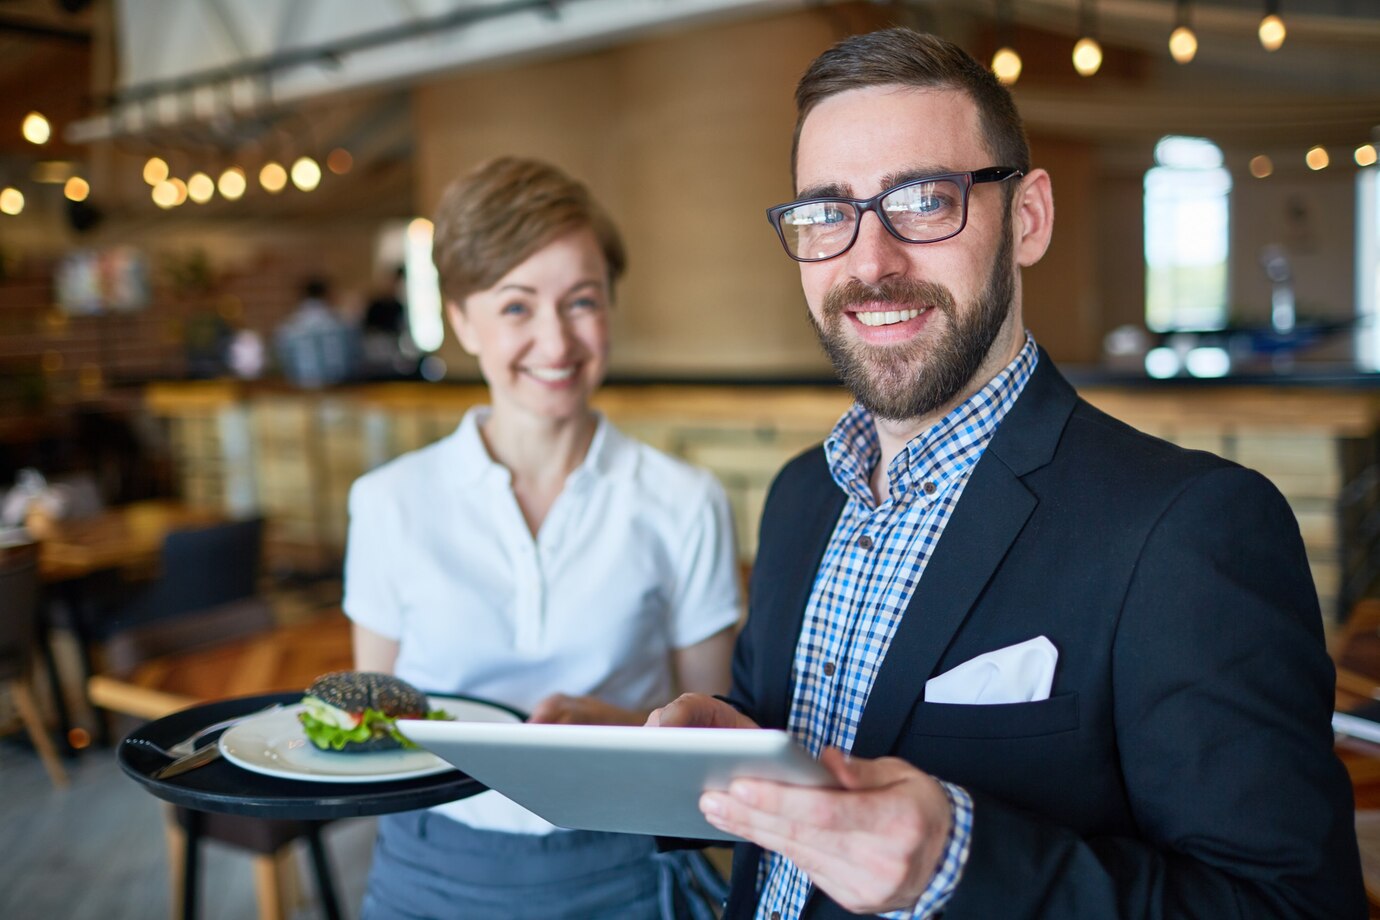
(936, 896)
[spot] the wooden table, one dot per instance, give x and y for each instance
(125, 537)
(283, 659)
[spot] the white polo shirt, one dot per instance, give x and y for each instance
(634, 560)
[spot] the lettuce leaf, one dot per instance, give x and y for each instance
(374, 724)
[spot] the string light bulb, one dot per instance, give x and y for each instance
(165, 195)
(306, 173)
(232, 184)
(200, 188)
(1087, 56)
(1006, 65)
(36, 129)
(1317, 158)
(339, 161)
(155, 170)
(1365, 155)
(76, 189)
(11, 201)
(273, 177)
(1272, 32)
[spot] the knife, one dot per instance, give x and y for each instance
(198, 758)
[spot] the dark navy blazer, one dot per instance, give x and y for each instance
(1183, 765)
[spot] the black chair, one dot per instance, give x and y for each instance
(20, 597)
(208, 592)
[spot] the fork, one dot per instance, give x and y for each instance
(188, 744)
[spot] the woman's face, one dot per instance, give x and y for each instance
(541, 332)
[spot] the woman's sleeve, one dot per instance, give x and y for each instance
(706, 598)
(371, 561)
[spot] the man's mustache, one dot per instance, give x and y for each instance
(905, 293)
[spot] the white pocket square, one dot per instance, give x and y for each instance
(1021, 673)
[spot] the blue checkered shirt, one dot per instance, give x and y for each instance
(875, 558)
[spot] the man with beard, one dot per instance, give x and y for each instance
(1058, 668)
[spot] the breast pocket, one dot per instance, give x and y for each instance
(1005, 720)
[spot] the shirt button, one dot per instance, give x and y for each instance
(776, 915)
(865, 542)
(929, 488)
(829, 669)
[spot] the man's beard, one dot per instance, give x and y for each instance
(902, 381)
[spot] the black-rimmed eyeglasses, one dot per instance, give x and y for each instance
(923, 210)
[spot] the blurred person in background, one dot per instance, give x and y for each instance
(315, 346)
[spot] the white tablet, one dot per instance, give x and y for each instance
(617, 778)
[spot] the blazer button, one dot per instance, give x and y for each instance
(865, 542)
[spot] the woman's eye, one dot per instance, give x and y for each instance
(515, 308)
(584, 303)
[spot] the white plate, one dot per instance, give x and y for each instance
(275, 744)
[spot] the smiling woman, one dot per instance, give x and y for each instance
(537, 557)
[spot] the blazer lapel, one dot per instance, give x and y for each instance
(799, 564)
(989, 516)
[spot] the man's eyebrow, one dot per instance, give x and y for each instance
(889, 181)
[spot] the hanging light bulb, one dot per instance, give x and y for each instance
(11, 201)
(1317, 158)
(76, 189)
(155, 170)
(306, 174)
(1087, 56)
(339, 161)
(1183, 44)
(1271, 31)
(165, 195)
(200, 188)
(1365, 155)
(1087, 53)
(1262, 167)
(36, 129)
(232, 183)
(273, 177)
(1006, 64)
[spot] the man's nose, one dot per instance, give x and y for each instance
(875, 254)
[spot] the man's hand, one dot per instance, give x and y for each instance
(873, 846)
(696, 710)
(582, 710)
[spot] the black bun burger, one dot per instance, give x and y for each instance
(354, 711)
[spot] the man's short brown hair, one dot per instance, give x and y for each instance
(502, 212)
(908, 58)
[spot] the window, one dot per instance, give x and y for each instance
(1186, 236)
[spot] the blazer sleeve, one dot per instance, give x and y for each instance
(1223, 697)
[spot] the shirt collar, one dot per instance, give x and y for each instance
(611, 453)
(944, 451)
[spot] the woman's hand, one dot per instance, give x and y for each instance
(582, 710)
(696, 710)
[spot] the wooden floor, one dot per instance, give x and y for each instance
(96, 850)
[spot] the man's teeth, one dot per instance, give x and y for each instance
(888, 318)
(551, 374)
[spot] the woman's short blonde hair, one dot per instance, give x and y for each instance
(501, 213)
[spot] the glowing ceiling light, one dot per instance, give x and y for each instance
(1261, 166)
(165, 195)
(1006, 64)
(1317, 159)
(339, 161)
(232, 183)
(155, 170)
(36, 129)
(1087, 56)
(200, 188)
(11, 201)
(273, 177)
(76, 189)
(306, 174)
(1183, 44)
(1272, 32)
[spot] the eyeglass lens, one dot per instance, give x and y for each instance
(920, 212)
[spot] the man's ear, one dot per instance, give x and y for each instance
(460, 325)
(1033, 212)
